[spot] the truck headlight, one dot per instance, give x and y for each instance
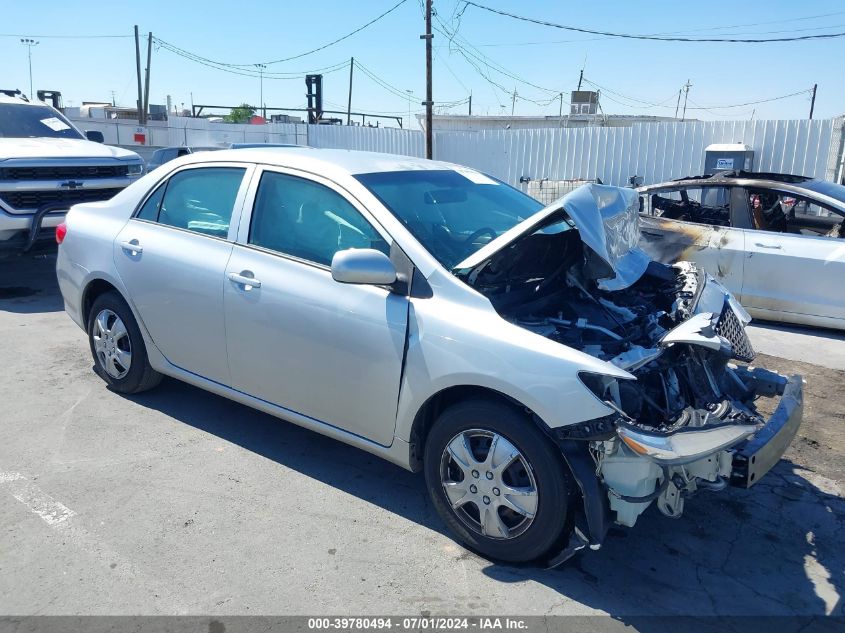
(134, 169)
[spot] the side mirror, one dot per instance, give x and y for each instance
(363, 266)
(95, 135)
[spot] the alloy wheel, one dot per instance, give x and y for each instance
(112, 344)
(489, 484)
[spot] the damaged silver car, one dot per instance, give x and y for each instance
(545, 374)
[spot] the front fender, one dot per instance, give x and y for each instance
(473, 346)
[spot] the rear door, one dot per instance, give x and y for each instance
(796, 261)
(172, 258)
(700, 224)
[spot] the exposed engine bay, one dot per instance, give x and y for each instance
(651, 329)
(675, 330)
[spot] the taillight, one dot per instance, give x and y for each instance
(61, 231)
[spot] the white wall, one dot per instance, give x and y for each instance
(654, 151)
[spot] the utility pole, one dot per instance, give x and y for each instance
(140, 101)
(349, 102)
(29, 43)
(812, 100)
(429, 97)
(112, 98)
(470, 104)
(580, 79)
(560, 109)
(513, 101)
(687, 86)
(261, 68)
(147, 77)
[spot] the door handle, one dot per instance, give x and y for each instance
(132, 246)
(774, 246)
(247, 282)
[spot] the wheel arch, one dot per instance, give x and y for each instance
(447, 397)
(95, 288)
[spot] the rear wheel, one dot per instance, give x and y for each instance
(120, 357)
(497, 481)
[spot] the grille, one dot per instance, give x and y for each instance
(63, 172)
(35, 199)
(730, 327)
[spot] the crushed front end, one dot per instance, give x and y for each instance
(686, 420)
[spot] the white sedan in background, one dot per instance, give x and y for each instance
(774, 240)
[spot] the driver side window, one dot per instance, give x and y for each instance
(307, 220)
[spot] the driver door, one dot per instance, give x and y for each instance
(295, 337)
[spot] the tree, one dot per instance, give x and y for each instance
(242, 114)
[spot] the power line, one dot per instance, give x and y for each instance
(473, 57)
(245, 72)
(696, 106)
(340, 39)
(657, 38)
(244, 67)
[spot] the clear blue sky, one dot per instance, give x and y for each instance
(247, 32)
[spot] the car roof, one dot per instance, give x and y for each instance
(825, 191)
(322, 161)
(5, 98)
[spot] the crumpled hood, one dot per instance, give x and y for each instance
(607, 219)
(60, 148)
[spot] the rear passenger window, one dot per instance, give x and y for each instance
(201, 200)
(308, 220)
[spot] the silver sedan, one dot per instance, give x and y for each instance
(545, 374)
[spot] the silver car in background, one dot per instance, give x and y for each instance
(544, 373)
(776, 241)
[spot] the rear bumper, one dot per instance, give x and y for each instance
(755, 457)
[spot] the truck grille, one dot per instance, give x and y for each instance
(63, 172)
(730, 327)
(35, 199)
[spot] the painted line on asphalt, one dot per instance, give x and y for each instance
(36, 500)
(56, 515)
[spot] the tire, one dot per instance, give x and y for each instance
(120, 357)
(539, 467)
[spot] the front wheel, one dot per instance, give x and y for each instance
(497, 481)
(120, 357)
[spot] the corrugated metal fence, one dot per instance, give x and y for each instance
(653, 151)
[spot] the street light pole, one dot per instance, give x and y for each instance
(261, 68)
(29, 43)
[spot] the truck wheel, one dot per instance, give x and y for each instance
(497, 481)
(117, 346)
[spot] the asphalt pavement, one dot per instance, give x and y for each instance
(181, 502)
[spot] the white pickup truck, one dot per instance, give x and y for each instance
(47, 165)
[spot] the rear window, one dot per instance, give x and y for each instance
(21, 120)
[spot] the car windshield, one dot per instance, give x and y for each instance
(826, 188)
(22, 120)
(453, 213)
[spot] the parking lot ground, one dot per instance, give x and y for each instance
(181, 502)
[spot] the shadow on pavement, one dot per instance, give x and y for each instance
(772, 550)
(28, 283)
